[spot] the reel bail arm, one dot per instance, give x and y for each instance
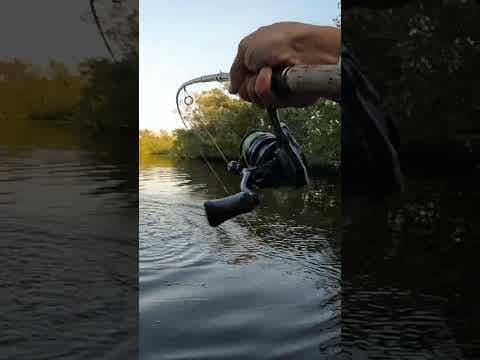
(266, 160)
(273, 159)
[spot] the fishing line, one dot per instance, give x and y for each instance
(189, 100)
(203, 140)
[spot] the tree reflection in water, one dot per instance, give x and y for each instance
(409, 273)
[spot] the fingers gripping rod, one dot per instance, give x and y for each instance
(324, 80)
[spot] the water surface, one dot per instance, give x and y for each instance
(263, 287)
(409, 283)
(68, 230)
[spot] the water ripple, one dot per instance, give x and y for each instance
(264, 286)
(66, 258)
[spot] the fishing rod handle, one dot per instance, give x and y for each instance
(324, 80)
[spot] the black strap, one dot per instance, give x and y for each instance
(370, 146)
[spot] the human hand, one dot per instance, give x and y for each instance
(280, 45)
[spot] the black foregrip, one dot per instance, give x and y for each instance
(279, 83)
(220, 210)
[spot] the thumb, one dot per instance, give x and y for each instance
(263, 86)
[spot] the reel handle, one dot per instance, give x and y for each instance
(221, 210)
(324, 80)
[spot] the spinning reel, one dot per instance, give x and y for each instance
(269, 160)
(266, 161)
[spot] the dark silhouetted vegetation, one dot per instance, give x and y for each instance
(429, 53)
(33, 93)
(96, 99)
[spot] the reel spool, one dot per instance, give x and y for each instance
(266, 161)
(269, 159)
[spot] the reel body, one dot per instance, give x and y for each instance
(266, 161)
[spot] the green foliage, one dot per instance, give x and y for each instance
(151, 143)
(30, 93)
(317, 129)
(109, 100)
(226, 119)
(186, 144)
(429, 53)
(99, 98)
(221, 118)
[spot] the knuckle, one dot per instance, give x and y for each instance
(242, 45)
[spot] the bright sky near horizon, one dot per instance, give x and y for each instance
(181, 40)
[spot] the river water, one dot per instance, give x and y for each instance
(264, 287)
(68, 230)
(272, 286)
(268, 287)
(409, 282)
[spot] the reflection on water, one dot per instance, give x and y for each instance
(262, 287)
(68, 254)
(409, 290)
(269, 287)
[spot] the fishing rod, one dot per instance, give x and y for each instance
(100, 28)
(266, 159)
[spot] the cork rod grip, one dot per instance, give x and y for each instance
(324, 80)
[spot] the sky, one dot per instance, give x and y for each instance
(39, 31)
(181, 40)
